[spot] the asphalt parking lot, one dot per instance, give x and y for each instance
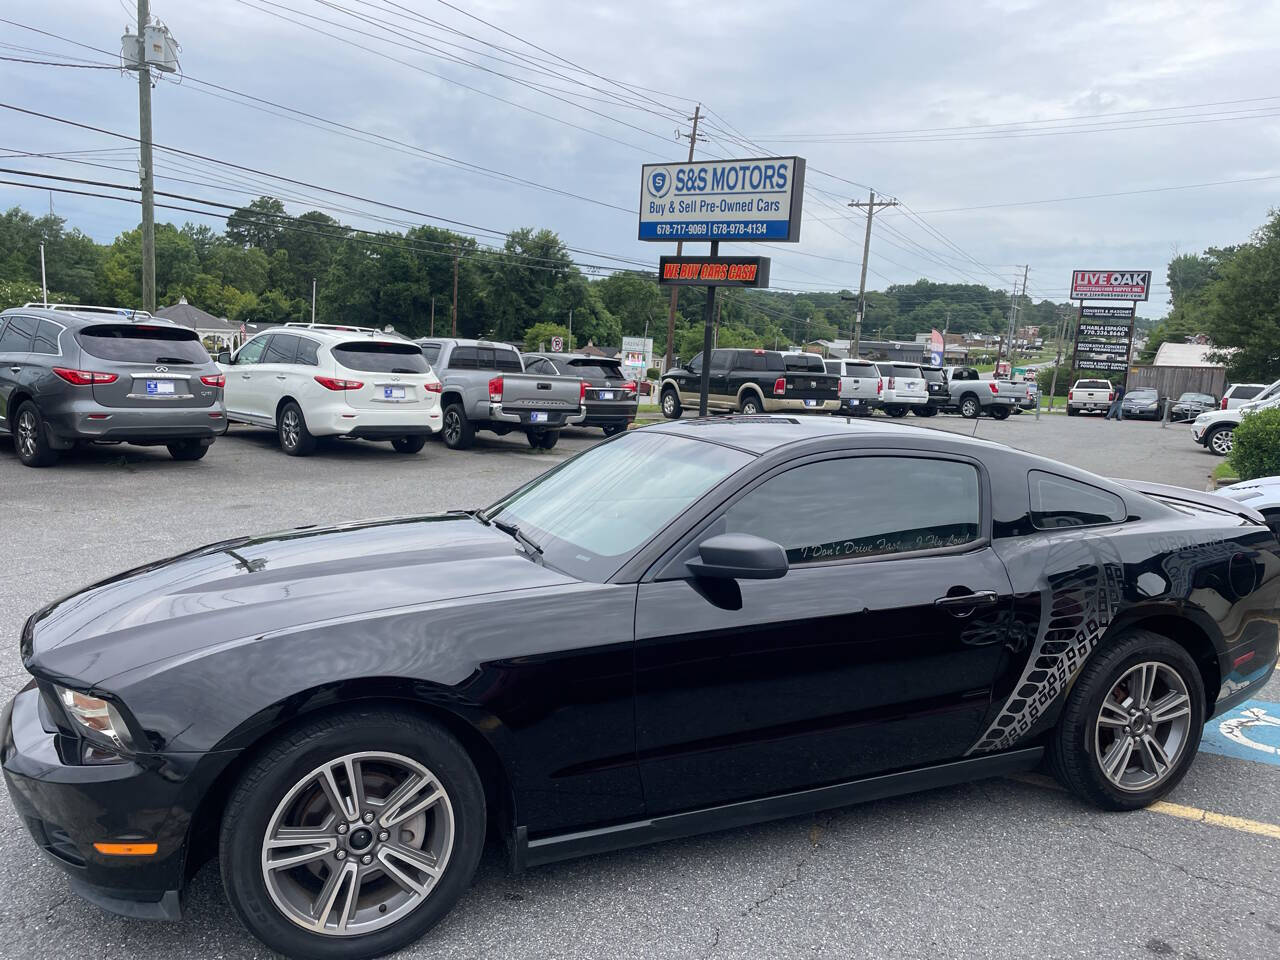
(998, 868)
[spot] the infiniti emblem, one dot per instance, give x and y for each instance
(162, 369)
(396, 379)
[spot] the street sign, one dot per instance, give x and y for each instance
(713, 271)
(740, 200)
(1110, 284)
(557, 344)
(637, 356)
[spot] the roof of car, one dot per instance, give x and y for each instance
(69, 315)
(762, 433)
(461, 342)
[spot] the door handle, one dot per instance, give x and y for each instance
(245, 376)
(280, 376)
(966, 603)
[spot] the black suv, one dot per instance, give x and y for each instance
(73, 375)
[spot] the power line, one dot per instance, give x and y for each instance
(52, 63)
(1102, 196)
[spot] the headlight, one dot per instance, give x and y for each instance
(98, 719)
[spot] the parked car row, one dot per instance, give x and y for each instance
(1215, 429)
(74, 375)
(1145, 403)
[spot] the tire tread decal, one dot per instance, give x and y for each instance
(1083, 602)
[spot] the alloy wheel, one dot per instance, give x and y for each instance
(668, 405)
(1222, 442)
(1143, 726)
(452, 426)
(27, 428)
(290, 428)
(358, 843)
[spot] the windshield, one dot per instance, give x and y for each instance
(1195, 398)
(909, 372)
(1141, 395)
(599, 369)
(932, 374)
(592, 513)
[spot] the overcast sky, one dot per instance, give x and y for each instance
(863, 90)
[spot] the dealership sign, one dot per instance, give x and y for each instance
(1110, 284)
(713, 271)
(1103, 338)
(736, 200)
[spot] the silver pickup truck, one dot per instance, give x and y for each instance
(484, 387)
(972, 396)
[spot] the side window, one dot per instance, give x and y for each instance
(538, 365)
(863, 507)
(308, 353)
(46, 338)
(721, 360)
(485, 359)
(1059, 502)
(464, 358)
(1246, 393)
(251, 352)
(283, 348)
(696, 363)
(17, 335)
(432, 352)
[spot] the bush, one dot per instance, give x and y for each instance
(1255, 451)
(652, 373)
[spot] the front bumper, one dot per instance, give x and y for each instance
(524, 416)
(67, 807)
(781, 404)
(69, 422)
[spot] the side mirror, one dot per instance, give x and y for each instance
(739, 556)
(224, 358)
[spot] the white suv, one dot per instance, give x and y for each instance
(317, 380)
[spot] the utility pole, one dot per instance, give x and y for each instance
(313, 301)
(1057, 362)
(675, 290)
(455, 293)
(571, 328)
(1013, 315)
(146, 172)
(433, 316)
(855, 342)
(44, 285)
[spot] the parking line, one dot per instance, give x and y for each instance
(1195, 814)
(1241, 824)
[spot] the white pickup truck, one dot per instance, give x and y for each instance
(1090, 395)
(860, 385)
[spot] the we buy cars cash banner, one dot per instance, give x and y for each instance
(1110, 284)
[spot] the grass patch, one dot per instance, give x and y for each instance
(1225, 472)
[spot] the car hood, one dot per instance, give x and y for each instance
(252, 587)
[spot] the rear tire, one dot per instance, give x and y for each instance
(1072, 411)
(1220, 441)
(458, 432)
(896, 410)
(1124, 767)
(750, 405)
(280, 790)
(999, 413)
(970, 408)
(613, 429)
(671, 404)
(925, 411)
(295, 439)
(409, 444)
(31, 437)
(187, 450)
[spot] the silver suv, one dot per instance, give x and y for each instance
(71, 374)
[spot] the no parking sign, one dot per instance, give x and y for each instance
(557, 344)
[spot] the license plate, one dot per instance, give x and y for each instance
(537, 418)
(605, 394)
(811, 403)
(393, 393)
(854, 403)
(159, 388)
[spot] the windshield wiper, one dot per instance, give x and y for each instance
(513, 531)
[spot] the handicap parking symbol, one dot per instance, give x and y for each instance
(1251, 731)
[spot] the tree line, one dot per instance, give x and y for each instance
(261, 266)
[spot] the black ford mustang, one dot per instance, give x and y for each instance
(688, 627)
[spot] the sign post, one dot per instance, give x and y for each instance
(1104, 334)
(746, 200)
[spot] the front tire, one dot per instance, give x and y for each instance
(671, 404)
(31, 437)
(999, 413)
(1132, 723)
(295, 439)
(896, 410)
(925, 411)
(409, 444)
(353, 835)
(1220, 441)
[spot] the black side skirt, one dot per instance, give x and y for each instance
(532, 853)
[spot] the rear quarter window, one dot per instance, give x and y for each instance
(375, 357)
(1058, 502)
(138, 343)
(1245, 393)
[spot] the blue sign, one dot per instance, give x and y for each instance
(759, 199)
(1250, 731)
